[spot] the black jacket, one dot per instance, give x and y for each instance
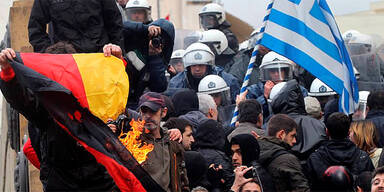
(310, 132)
(377, 117)
(210, 141)
(88, 25)
(65, 165)
(233, 43)
(336, 152)
(283, 166)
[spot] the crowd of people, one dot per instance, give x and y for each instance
(289, 135)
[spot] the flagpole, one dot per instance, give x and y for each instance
(259, 36)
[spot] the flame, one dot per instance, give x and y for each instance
(131, 140)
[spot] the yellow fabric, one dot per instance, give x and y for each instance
(105, 82)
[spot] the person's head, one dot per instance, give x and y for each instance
(376, 100)
(377, 182)
(338, 125)
(122, 3)
(170, 108)
(337, 178)
(363, 182)
(197, 59)
(250, 111)
(61, 47)
(211, 16)
(177, 60)
(364, 135)
(139, 11)
(216, 86)
(245, 149)
(276, 68)
(312, 107)
(250, 186)
(152, 109)
(283, 127)
(217, 41)
(207, 106)
(199, 189)
(185, 128)
(185, 100)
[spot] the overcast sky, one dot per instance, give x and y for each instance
(254, 10)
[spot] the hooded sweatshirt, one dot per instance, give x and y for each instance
(310, 132)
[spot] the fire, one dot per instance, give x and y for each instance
(131, 140)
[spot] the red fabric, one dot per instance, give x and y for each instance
(31, 155)
(124, 179)
(167, 17)
(61, 68)
(7, 74)
(125, 62)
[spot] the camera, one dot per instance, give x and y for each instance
(122, 123)
(157, 41)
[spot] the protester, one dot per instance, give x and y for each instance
(207, 106)
(275, 155)
(165, 161)
(363, 182)
(210, 141)
(337, 178)
(365, 136)
(250, 119)
(185, 128)
(311, 132)
(339, 150)
(197, 169)
(377, 180)
(245, 153)
(87, 25)
(313, 108)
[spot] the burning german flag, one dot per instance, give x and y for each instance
(81, 91)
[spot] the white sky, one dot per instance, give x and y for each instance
(255, 9)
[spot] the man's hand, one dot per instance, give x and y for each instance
(239, 177)
(111, 49)
(5, 55)
(255, 135)
(175, 135)
(153, 50)
(267, 88)
(154, 31)
(111, 126)
(241, 97)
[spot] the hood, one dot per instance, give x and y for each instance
(184, 101)
(249, 147)
(197, 168)
(269, 148)
(195, 118)
(330, 107)
(289, 100)
(339, 152)
(210, 134)
(167, 33)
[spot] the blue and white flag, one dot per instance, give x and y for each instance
(306, 32)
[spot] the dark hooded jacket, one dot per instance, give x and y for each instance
(310, 132)
(250, 151)
(87, 25)
(336, 152)
(210, 141)
(151, 75)
(377, 117)
(197, 169)
(283, 166)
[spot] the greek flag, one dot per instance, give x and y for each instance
(306, 32)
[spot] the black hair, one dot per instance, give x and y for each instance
(280, 122)
(378, 171)
(249, 111)
(376, 100)
(61, 47)
(178, 123)
(338, 125)
(251, 181)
